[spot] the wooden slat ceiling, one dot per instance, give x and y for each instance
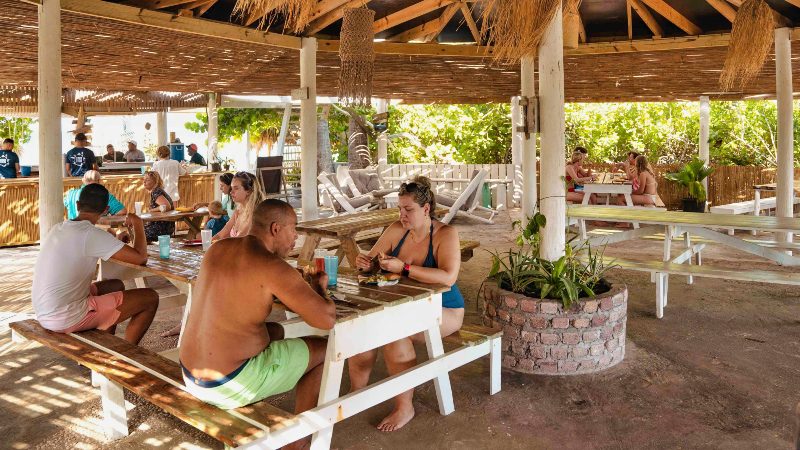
(108, 55)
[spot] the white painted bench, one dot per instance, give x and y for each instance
(747, 207)
(582, 223)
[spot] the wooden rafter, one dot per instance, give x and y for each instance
(473, 27)
(332, 16)
(156, 4)
(201, 9)
(428, 30)
(326, 6)
(630, 20)
(678, 19)
(409, 13)
(795, 3)
(723, 8)
(581, 30)
(647, 17)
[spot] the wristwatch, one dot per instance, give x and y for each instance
(406, 268)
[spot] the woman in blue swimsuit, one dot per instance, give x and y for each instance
(422, 248)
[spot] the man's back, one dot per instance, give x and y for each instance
(8, 164)
(80, 160)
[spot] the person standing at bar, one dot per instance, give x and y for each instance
(196, 158)
(9, 160)
(80, 159)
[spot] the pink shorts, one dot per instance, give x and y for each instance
(102, 313)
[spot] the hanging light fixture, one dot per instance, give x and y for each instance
(357, 55)
(752, 37)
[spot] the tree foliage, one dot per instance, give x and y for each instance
(18, 129)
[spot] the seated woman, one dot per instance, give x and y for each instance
(645, 186)
(158, 197)
(225, 181)
(246, 192)
(423, 249)
(575, 178)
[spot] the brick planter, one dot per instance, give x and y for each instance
(540, 337)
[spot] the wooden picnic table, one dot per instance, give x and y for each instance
(344, 228)
(191, 218)
(367, 317)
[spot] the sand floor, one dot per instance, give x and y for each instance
(720, 370)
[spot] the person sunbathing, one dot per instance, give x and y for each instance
(422, 248)
(228, 356)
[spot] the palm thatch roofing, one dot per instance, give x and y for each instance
(631, 50)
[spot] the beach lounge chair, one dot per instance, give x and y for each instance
(466, 203)
(341, 203)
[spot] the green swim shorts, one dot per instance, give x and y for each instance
(275, 370)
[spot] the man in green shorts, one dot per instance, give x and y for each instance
(229, 358)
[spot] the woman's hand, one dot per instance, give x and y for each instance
(364, 262)
(392, 264)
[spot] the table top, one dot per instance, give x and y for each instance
(654, 216)
(169, 216)
(608, 188)
(353, 223)
(774, 186)
(183, 263)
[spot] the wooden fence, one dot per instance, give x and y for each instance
(19, 200)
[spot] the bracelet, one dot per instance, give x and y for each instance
(406, 269)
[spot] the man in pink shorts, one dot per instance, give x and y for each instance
(64, 297)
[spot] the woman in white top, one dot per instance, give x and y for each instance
(169, 170)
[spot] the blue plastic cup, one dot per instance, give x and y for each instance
(163, 246)
(25, 170)
(332, 268)
(144, 169)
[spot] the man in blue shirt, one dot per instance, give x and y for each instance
(196, 158)
(80, 159)
(115, 207)
(9, 161)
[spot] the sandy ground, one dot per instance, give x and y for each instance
(720, 370)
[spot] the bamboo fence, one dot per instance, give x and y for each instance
(19, 201)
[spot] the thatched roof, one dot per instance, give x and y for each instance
(111, 54)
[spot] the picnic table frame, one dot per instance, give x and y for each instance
(192, 219)
(769, 187)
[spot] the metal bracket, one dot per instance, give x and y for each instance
(530, 116)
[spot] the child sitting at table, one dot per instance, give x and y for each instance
(217, 217)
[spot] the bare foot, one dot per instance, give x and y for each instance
(397, 419)
(172, 331)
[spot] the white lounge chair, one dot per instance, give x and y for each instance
(341, 203)
(466, 203)
(362, 181)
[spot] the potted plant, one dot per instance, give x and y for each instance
(691, 176)
(558, 317)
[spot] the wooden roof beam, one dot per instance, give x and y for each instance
(428, 30)
(630, 20)
(326, 6)
(473, 27)
(157, 4)
(723, 8)
(332, 16)
(200, 10)
(582, 37)
(647, 17)
(678, 19)
(409, 13)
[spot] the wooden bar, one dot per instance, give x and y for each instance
(19, 200)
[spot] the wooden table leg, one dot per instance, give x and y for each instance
(194, 226)
(351, 250)
(310, 244)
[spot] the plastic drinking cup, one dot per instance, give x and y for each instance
(205, 236)
(332, 268)
(138, 206)
(162, 208)
(144, 169)
(319, 259)
(163, 246)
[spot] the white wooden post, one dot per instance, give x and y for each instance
(213, 127)
(161, 128)
(528, 149)
(248, 152)
(308, 129)
(516, 149)
(51, 162)
(287, 116)
(705, 120)
(551, 106)
(785, 172)
(382, 106)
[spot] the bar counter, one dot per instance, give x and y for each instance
(19, 200)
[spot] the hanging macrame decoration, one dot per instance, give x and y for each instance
(572, 23)
(357, 55)
(296, 13)
(751, 41)
(515, 28)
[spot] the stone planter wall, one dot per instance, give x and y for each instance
(540, 337)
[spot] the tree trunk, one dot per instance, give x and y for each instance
(324, 157)
(357, 146)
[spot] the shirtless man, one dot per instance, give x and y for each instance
(229, 358)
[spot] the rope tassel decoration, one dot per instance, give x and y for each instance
(752, 37)
(358, 57)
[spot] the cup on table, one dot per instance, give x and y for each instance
(144, 169)
(332, 269)
(163, 246)
(162, 208)
(292, 263)
(319, 259)
(205, 237)
(138, 206)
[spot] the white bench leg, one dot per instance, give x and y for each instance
(582, 229)
(444, 393)
(331, 384)
(661, 281)
(756, 207)
(687, 244)
(115, 415)
(495, 354)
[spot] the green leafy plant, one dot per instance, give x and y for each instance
(579, 272)
(691, 176)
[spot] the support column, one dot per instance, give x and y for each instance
(551, 106)
(516, 148)
(51, 161)
(308, 129)
(287, 116)
(213, 128)
(161, 128)
(785, 172)
(382, 106)
(528, 143)
(705, 121)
